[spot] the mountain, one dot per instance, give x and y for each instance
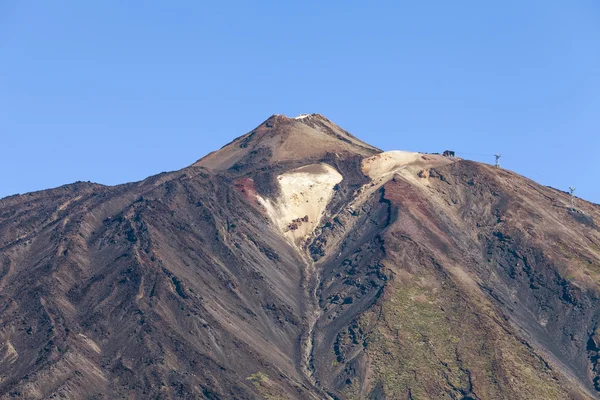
(298, 262)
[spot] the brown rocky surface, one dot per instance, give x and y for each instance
(425, 277)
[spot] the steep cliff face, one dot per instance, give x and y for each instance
(300, 262)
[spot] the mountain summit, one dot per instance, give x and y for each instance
(298, 262)
(304, 138)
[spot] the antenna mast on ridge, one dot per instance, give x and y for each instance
(572, 192)
(498, 159)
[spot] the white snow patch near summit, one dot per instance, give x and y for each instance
(302, 116)
(305, 193)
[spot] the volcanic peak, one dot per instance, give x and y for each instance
(283, 139)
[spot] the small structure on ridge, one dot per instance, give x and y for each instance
(449, 153)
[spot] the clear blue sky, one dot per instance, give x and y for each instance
(114, 91)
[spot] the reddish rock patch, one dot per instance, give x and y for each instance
(246, 187)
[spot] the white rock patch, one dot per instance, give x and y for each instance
(305, 193)
(383, 163)
(90, 343)
(10, 353)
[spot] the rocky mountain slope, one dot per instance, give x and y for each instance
(298, 262)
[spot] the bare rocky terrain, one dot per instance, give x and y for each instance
(298, 262)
